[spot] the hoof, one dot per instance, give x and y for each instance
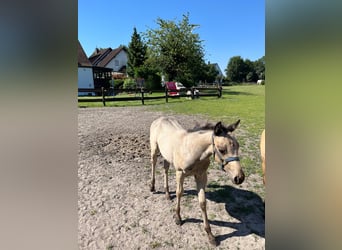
(178, 221)
(152, 189)
(213, 241)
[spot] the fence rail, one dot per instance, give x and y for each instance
(107, 95)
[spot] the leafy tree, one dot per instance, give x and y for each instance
(150, 72)
(136, 54)
(210, 73)
(251, 75)
(176, 50)
(236, 69)
(239, 70)
(150, 75)
(259, 66)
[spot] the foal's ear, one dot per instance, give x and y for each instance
(219, 129)
(233, 126)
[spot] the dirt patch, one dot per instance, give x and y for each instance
(117, 210)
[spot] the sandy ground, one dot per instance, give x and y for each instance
(117, 210)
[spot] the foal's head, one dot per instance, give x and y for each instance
(226, 151)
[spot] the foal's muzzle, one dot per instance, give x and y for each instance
(239, 179)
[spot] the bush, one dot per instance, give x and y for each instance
(153, 82)
(129, 83)
(118, 83)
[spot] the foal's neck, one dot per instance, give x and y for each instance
(201, 142)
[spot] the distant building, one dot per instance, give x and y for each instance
(85, 71)
(219, 76)
(115, 59)
(91, 76)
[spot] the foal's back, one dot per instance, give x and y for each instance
(165, 135)
(165, 127)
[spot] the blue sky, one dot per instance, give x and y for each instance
(228, 27)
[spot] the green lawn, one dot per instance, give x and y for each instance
(245, 102)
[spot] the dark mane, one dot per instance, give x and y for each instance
(207, 126)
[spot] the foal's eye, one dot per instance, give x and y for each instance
(223, 151)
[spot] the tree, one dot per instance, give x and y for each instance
(259, 66)
(251, 75)
(210, 73)
(176, 50)
(236, 69)
(136, 54)
(239, 70)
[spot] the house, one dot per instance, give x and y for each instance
(85, 71)
(91, 76)
(219, 76)
(115, 59)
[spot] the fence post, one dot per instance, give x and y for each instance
(219, 91)
(166, 95)
(142, 95)
(192, 93)
(103, 96)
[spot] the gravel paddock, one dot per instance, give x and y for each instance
(116, 209)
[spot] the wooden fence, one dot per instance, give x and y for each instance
(107, 95)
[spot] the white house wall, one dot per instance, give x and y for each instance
(85, 79)
(118, 61)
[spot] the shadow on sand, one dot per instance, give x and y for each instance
(245, 206)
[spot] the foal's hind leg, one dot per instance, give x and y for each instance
(154, 151)
(166, 179)
(201, 182)
(179, 193)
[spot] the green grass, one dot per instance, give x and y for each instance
(245, 102)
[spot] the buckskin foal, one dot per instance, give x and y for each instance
(189, 152)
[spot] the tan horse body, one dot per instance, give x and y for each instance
(189, 152)
(263, 155)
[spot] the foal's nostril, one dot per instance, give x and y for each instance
(239, 180)
(242, 178)
(236, 180)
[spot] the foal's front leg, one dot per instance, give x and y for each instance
(201, 182)
(179, 193)
(166, 179)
